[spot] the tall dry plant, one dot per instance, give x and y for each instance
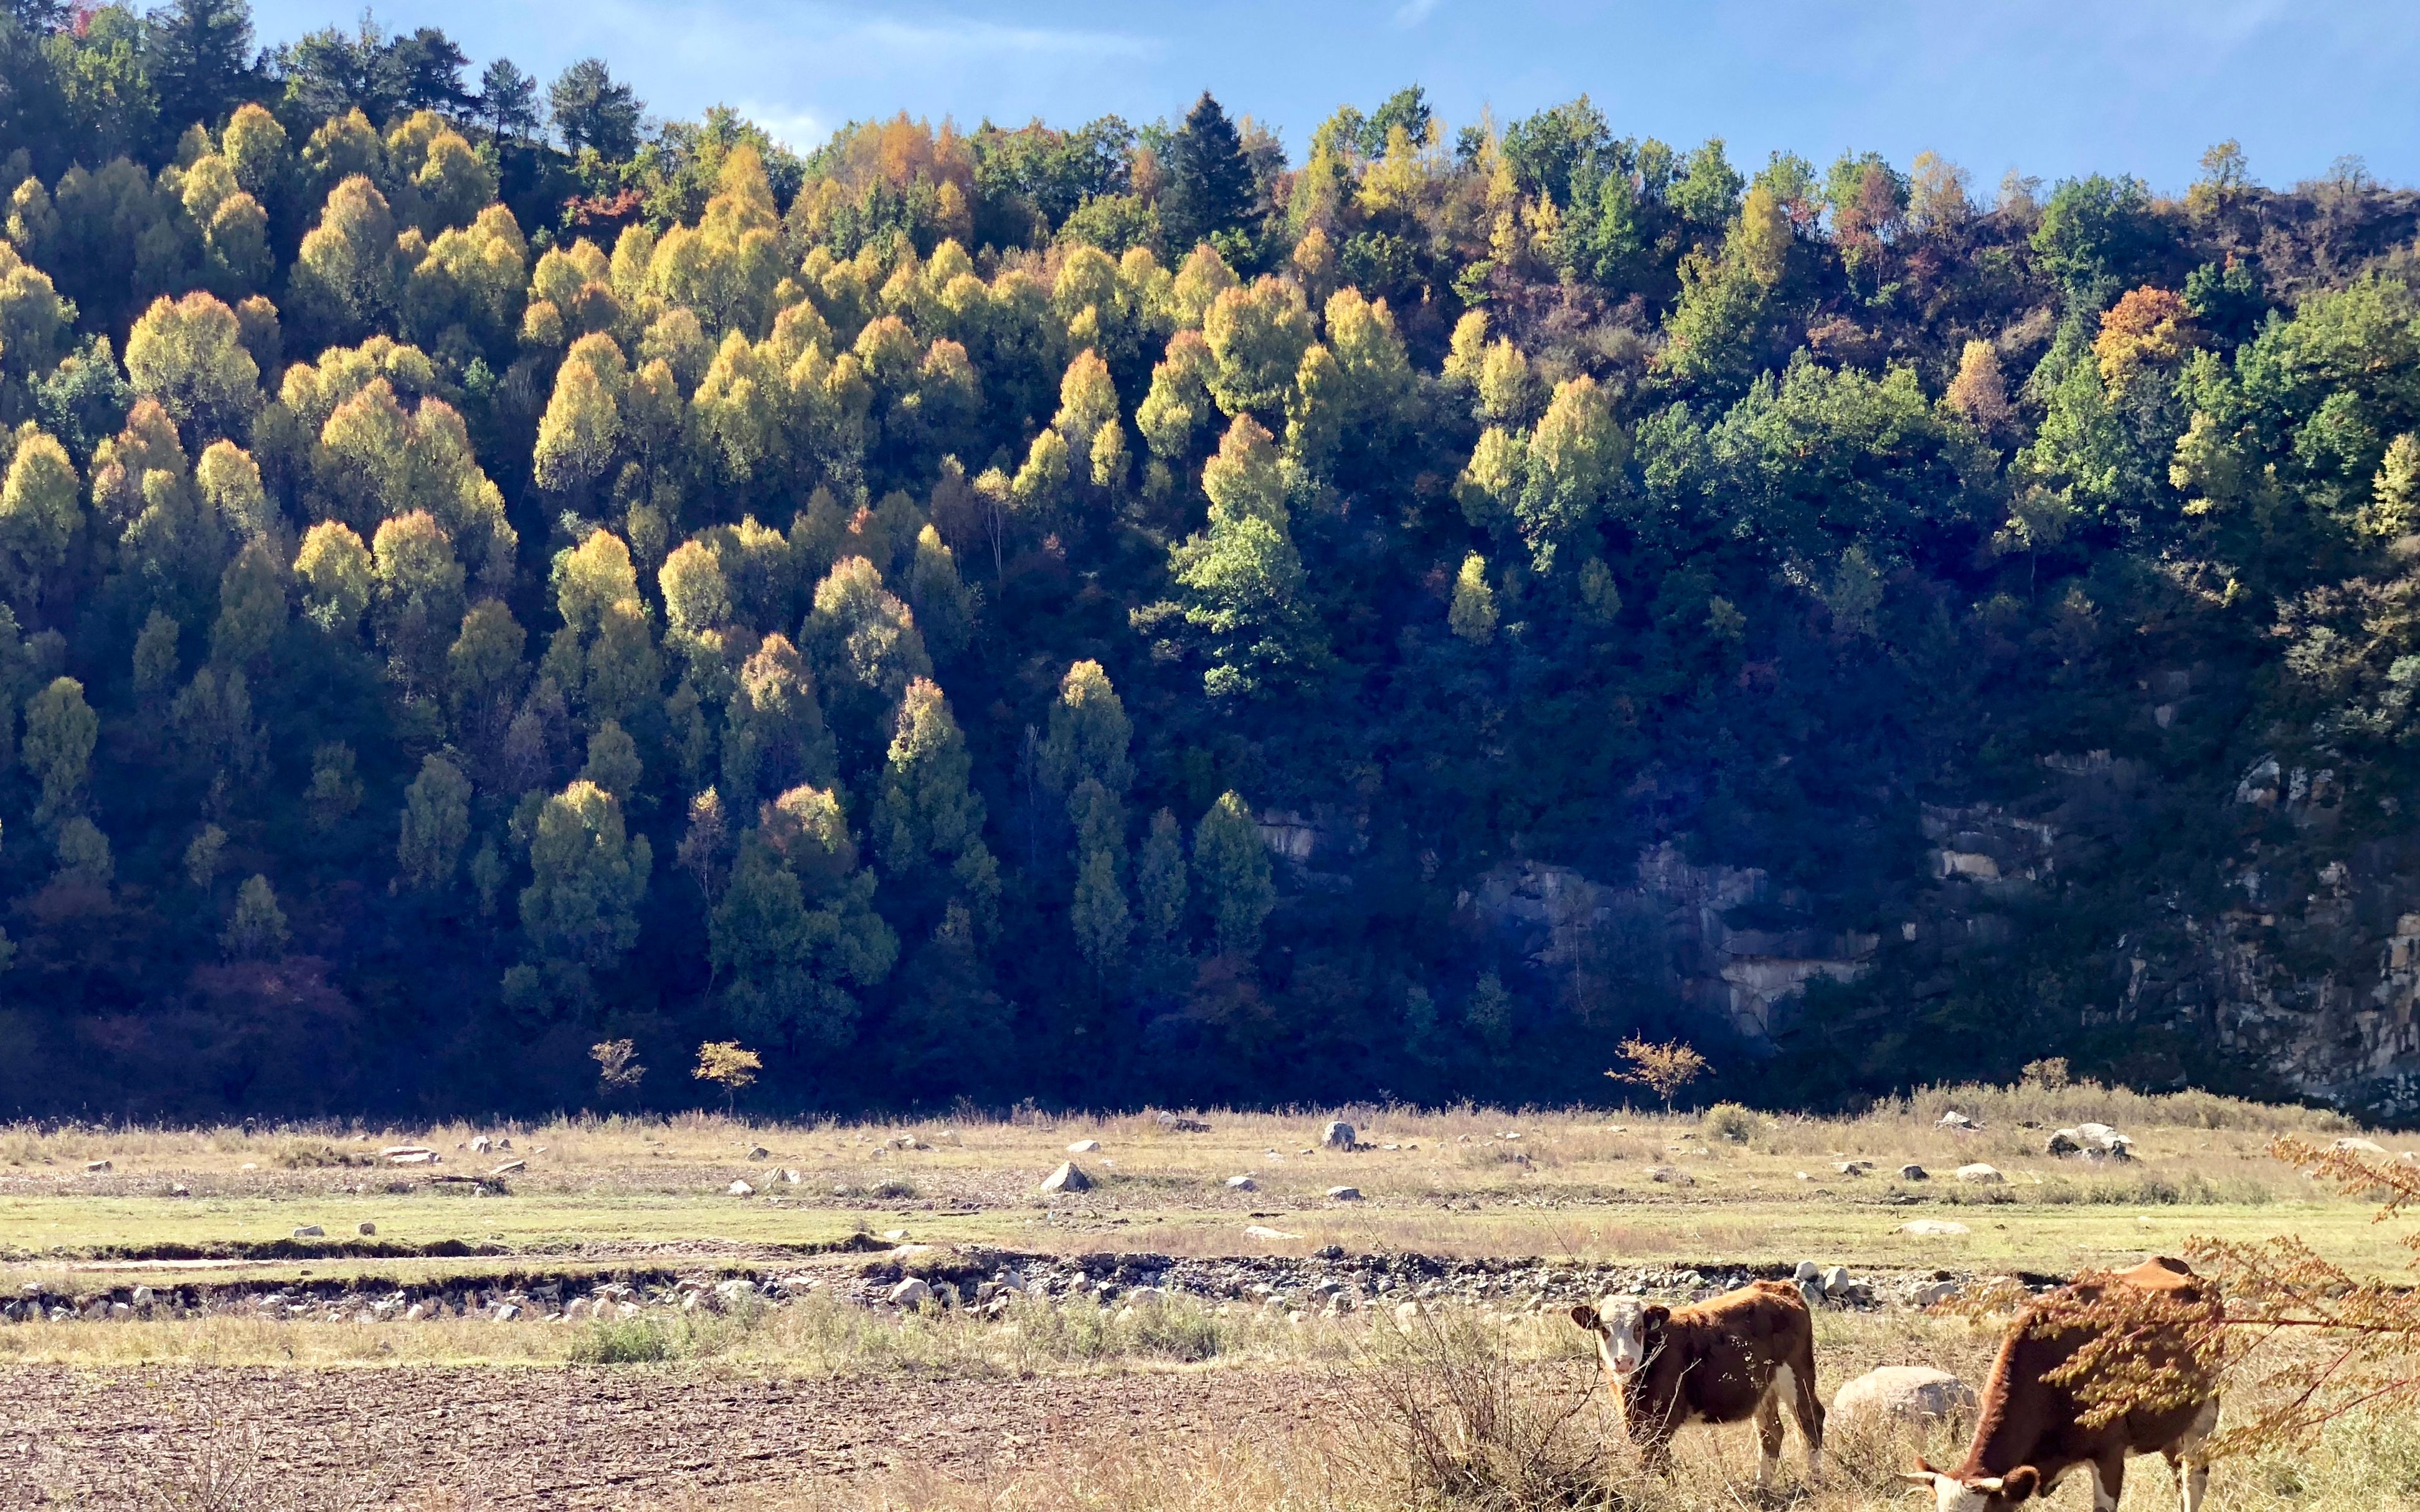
(1446, 1414)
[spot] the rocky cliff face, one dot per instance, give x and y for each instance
(2296, 960)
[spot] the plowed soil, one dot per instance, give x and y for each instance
(563, 1437)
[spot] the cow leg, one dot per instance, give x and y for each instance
(2108, 1482)
(1808, 1409)
(2185, 1459)
(1768, 1431)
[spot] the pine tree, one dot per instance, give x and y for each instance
(1209, 181)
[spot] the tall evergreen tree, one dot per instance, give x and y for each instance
(1209, 180)
(593, 111)
(199, 57)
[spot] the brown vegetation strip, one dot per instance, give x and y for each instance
(584, 1436)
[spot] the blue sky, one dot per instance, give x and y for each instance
(2052, 87)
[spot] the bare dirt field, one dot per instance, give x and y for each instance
(587, 1437)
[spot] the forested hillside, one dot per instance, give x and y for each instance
(1112, 613)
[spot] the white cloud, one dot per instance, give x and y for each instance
(1412, 12)
(794, 129)
(984, 38)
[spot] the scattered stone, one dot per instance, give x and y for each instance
(1852, 1167)
(740, 1189)
(1899, 1393)
(1955, 1119)
(100, 1167)
(403, 1155)
(367, 1229)
(1807, 1271)
(507, 1311)
(1344, 1194)
(143, 1296)
(1672, 1175)
(1069, 1177)
(1935, 1228)
(1242, 1183)
(1085, 1147)
(1988, 1175)
(1257, 1232)
(1931, 1293)
(1836, 1281)
(1804, 1177)
(1913, 1172)
(1172, 1123)
(310, 1231)
(1337, 1135)
(909, 1293)
(792, 1177)
(1407, 1311)
(481, 1145)
(759, 1152)
(731, 1292)
(416, 1312)
(180, 1190)
(509, 1166)
(2348, 1144)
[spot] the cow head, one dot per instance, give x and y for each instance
(1628, 1330)
(1981, 1493)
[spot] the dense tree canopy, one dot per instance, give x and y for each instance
(1112, 612)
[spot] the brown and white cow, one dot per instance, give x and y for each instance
(2031, 1432)
(1743, 1355)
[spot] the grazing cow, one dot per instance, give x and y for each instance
(2032, 1430)
(1742, 1354)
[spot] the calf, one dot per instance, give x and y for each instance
(1740, 1355)
(2031, 1432)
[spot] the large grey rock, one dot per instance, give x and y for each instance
(1911, 1393)
(1807, 1271)
(1836, 1281)
(1913, 1172)
(740, 1188)
(1987, 1175)
(2093, 1141)
(1242, 1183)
(908, 1293)
(1671, 1176)
(1344, 1194)
(1069, 1177)
(366, 1229)
(1337, 1135)
(310, 1231)
(1955, 1119)
(101, 1167)
(1173, 1123)
(1085, 1147)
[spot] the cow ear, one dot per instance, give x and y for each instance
(2021, 1483)
(1919, 1477)
(1585, 1316)
(1656, 1316)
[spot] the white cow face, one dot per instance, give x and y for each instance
(1627, 1331)
(1985, 1493)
